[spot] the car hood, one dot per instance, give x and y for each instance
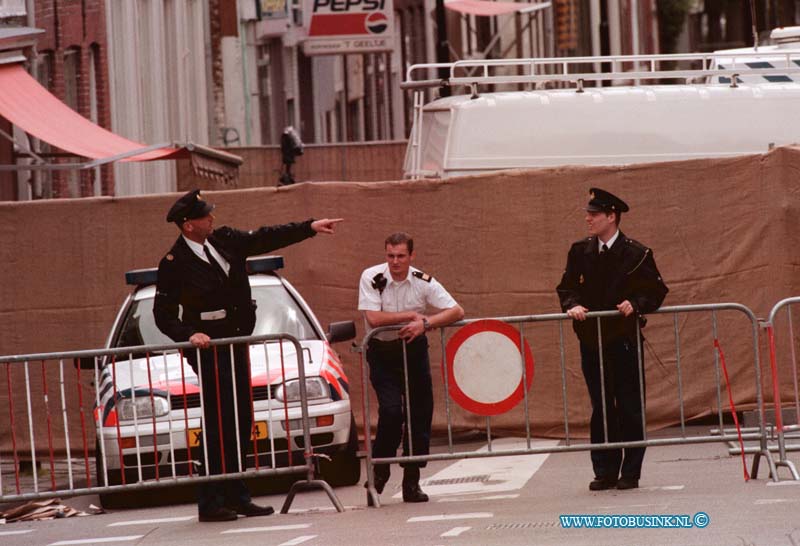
(168, 373)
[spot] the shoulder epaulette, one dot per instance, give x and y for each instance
(423, 276)
(636, 244)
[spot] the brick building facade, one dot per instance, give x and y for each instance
(71, 61)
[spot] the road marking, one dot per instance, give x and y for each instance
(5, 533)
(298, 540)
(443, 517)
(775, 501)
(663, 488)
(615, 509)
(271, 528)
(506, 473)
(149, 521)
(455, 531)
(96, 540)
(788, 482)
(473, 499)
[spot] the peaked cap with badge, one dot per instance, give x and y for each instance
(603, 201)
(189, 206)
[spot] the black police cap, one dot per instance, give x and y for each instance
(190, 205)
(603, 201)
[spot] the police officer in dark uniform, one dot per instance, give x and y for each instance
(204, 273)
(394, 292)
(608, 271)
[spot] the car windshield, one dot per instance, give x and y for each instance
(277, 312)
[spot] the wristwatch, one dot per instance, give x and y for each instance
(426, 324)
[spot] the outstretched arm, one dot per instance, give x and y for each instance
(326, 225)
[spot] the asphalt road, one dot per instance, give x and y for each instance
(503, 501)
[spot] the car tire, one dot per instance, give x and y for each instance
(109, 500)
(344, 468)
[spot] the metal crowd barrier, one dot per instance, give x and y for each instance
(153, 434)
(792, 431)
(757, 434)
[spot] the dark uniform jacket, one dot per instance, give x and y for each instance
(599, 282)
(198, 287)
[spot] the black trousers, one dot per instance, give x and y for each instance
(623, 407)
(219, 422)
(386, 375)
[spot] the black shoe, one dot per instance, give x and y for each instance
(413, 493)
(252, 510)
(220, 514)
(628, 483)
(601, 484)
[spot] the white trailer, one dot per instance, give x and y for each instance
(605, 111)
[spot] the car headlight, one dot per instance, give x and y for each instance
(290, 391)
(144, 407)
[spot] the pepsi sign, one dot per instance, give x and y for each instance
(348, 26)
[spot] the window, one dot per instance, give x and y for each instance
(42, 181)
(71, 85)
(12, 8)
(94, 59)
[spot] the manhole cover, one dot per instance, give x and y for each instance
(452, 481)
(528, 525)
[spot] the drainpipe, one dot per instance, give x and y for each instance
(245, 66)
(31, 21)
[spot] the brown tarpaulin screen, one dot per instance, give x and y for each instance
(721, 230)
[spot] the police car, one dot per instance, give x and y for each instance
(149, 407)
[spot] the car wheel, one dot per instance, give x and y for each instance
(344, 468)
(108, 500)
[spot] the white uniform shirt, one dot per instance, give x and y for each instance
(411, 294)
(197, 248)
(608, 243)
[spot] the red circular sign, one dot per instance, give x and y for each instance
(484, 371)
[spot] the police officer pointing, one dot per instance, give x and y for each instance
(203, 293)
(608, 271)
(396, 293)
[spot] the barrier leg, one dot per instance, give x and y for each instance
(308, 485)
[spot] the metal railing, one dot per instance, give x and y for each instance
(780, 428)
(757, 434)
(609, 68)
(149, 414)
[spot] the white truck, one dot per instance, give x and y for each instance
(605, 110)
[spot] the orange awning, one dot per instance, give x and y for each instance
(32, 108)
(487, 8)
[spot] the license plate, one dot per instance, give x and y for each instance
(196, 434)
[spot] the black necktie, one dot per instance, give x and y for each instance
(214, 263)
(603, 248)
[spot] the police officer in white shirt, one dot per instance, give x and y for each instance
(396, 293)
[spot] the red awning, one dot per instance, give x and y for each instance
(32, 108)
(485, 7)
